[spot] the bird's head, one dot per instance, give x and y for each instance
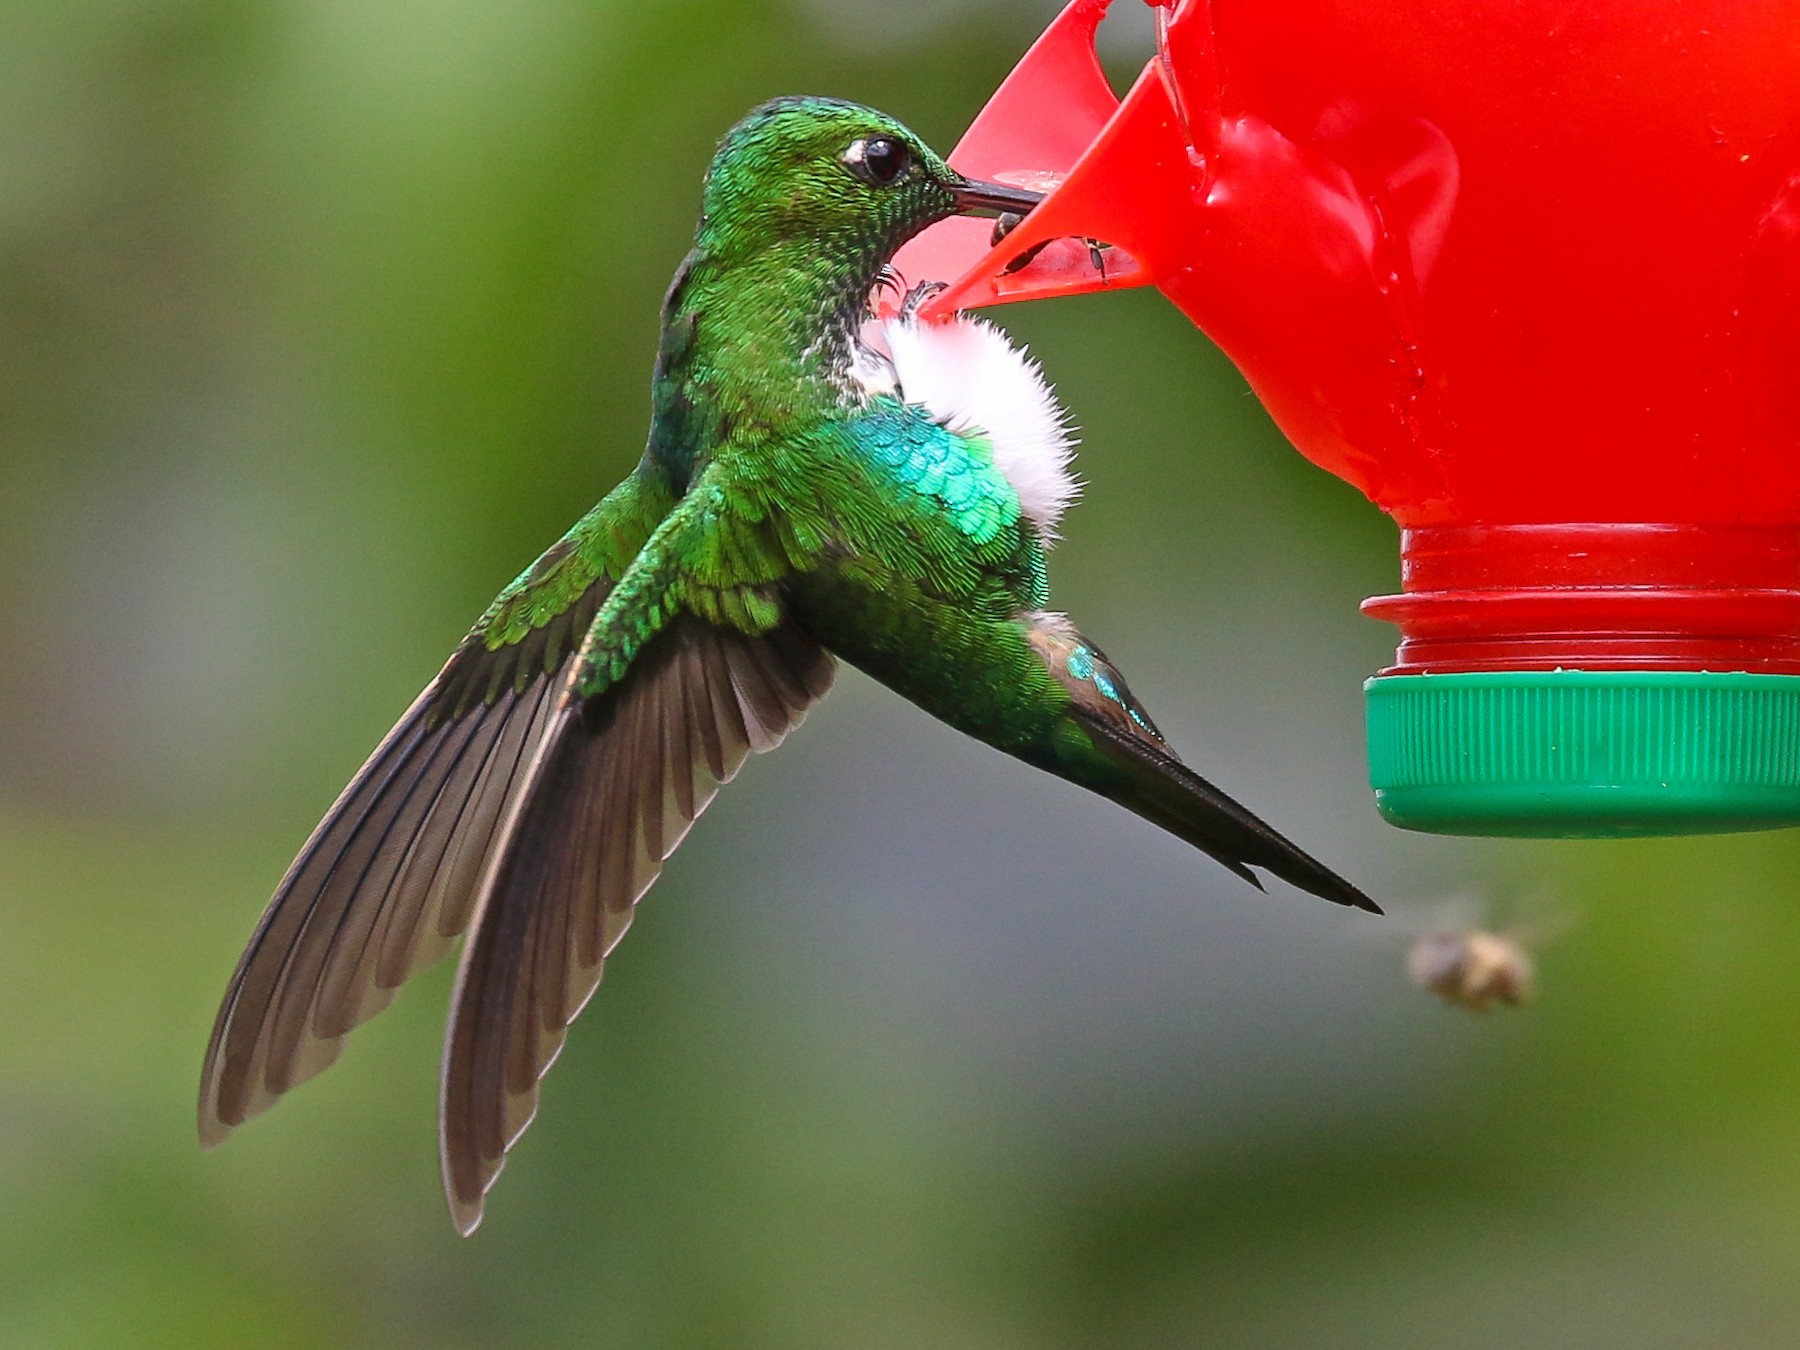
(833, 177)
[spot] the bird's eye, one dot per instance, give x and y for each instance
(880, 160)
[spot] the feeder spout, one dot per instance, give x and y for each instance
(1039, 124)
(1300, 268)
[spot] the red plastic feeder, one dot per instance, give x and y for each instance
(1527, 274)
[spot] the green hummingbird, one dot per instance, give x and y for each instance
(818, 483)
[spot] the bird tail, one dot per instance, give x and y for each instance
(1145, 778)
(1122, 756)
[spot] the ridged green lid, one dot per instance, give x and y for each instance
(1585, 754)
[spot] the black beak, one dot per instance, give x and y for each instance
(973, 195)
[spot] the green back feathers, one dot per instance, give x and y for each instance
(954, 473)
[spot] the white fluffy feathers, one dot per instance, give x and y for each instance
(971, 379)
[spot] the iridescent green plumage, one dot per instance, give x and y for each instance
(789, 505)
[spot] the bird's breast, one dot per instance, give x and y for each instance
(966, 377)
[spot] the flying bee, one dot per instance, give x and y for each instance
(1472, 968)
(1009, 221)
(1476, 953)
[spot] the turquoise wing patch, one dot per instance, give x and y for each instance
(956, 473)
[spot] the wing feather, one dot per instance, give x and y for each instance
(616, 783)
(388, 880)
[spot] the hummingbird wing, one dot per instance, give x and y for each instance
(388, 879)
(667, 709)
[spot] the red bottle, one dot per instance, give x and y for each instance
(1527, 274)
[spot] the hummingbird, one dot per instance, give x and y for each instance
(818, 484)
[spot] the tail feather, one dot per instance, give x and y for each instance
(1122, 756)
(1151, 782)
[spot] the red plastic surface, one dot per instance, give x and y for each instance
(1497, 263)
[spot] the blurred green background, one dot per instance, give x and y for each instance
(317, 320)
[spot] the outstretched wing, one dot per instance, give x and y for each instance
(619, 779)
(689, 665)
(388, 879)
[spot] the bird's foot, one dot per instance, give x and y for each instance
(917, 296)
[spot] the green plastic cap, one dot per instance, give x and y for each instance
(1581, 754)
